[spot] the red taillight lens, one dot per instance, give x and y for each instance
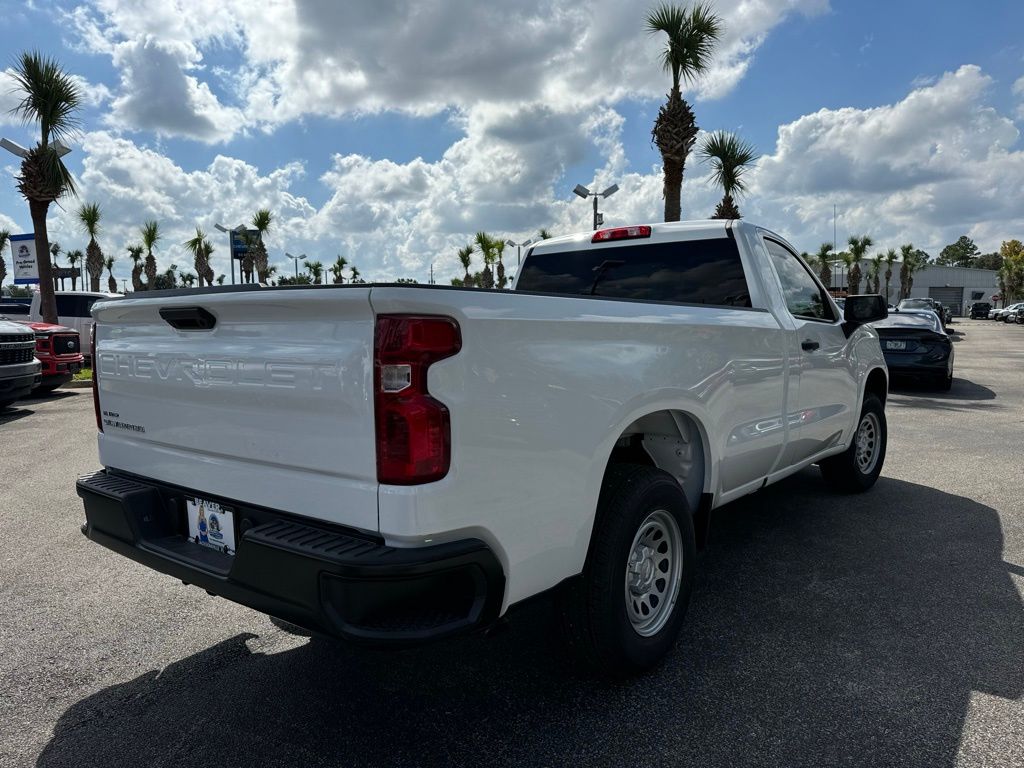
(621, 233)
(413, 429)
(95, 377)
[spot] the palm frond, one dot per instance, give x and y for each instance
(730, 158)
(262, 220)
(150, 234)
(692, 34)
(89, 217)
(50, 97)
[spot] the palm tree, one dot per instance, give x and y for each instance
(89, 216)
(207, 270)
(338, 269)
(499, 249)
(5, 238)
(150, 236)
(111, 282)
(75, 257)
(543, 234)
(485, 244)
(135, 254)
(356, 277)
(692, 34)
(188, 279)
(858, 247)
(874, 270)
(50, 98)
(197, 247)
(912, 263)
(730, 158)
(890, 258)
(466, 259)
(824, 264)
(261, 222)
(55, 251)
(316, 271)
(220, 279)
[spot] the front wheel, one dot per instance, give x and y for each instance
(857, 468)
(624, 613)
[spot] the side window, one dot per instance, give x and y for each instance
(87, 305)
(66, 305)
(804, 297)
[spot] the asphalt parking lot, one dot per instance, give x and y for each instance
(884, 629)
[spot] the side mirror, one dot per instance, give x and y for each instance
(866, 308)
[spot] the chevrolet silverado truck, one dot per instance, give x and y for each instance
(392, 464)
(19, 369)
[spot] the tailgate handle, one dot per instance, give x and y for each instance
(188, 318)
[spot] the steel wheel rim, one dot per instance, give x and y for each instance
(654, 571)
(868, 436)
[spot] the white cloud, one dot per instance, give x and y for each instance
(158, 95)
(935, 165)
(319, 57)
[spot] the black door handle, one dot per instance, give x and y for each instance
(809, 346)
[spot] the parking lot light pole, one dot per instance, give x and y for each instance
(519, 250)
(585, 193)
(231, 244)
(296, 260)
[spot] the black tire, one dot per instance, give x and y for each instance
(843, 472)
(597, 628)
(945, 384)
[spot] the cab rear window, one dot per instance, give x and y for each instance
(693, 272)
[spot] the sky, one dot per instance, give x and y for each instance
(390, 132)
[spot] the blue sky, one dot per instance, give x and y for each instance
(390, 135)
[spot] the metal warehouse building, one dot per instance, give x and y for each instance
(955, 287)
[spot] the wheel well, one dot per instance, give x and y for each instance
(877, 385)
(669, 440)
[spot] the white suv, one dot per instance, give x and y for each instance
(74, 310)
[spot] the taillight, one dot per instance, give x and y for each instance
(413, 429)
(621, 233)
(95, 377)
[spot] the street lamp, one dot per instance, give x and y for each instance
(20, 151)
(585, 193)
(519, 250)
(296, 260)
(231, 244)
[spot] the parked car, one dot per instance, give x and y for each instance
(916, 346)
(59, 351)
(19, 369)
(636, 379)
(1003, 314)
(980, 310)
(944, 313)
(73, 309)
(1016, 316)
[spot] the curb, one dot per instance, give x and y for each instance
(77, 385)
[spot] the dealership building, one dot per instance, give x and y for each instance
(956, 287)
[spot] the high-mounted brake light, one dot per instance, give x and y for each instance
(95, 377)
(413, 429)
(621, 233)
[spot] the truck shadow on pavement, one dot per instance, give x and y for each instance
(824, 630)
(963, 395)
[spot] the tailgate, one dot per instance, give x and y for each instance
(271, 406)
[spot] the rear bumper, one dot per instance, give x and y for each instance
(320, 576)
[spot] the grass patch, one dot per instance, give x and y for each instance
(84, 375)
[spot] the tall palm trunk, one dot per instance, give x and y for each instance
(48, 302)
(150, 270)
(674, 133)
(137, 276)
(888, 277)
(94, 264)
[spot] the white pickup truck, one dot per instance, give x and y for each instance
(392, 464)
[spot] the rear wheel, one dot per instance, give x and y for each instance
(857, 468)
(946, 383)
(624, 613)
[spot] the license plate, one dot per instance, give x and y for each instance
(211, 525)
(895, 345)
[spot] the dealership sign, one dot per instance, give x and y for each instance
(23, 249)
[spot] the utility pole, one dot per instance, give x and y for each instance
(585, 193)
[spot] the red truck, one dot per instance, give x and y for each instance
(59, 350)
